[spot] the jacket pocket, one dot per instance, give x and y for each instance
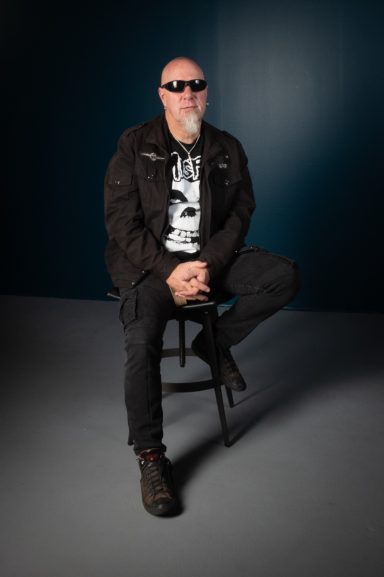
(225, 178)
(151, 170)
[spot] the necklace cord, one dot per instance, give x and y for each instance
(183, 147)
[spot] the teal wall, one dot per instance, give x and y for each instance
(299, 82)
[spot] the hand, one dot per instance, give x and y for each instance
(189, 280)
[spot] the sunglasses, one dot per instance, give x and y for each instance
(196, 85)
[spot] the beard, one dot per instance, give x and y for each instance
(191, 123)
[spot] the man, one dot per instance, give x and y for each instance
(178, 200)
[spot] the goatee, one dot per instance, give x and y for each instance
(192, 123)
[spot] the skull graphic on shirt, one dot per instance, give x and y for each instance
(184, 208)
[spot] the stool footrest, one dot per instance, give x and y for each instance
(187, 387)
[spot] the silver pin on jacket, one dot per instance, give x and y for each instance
(152, 155)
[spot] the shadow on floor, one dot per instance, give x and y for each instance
(327, 351)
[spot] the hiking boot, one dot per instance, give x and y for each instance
(229, 371)
(156, 483)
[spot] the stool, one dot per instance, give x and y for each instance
(204, 313)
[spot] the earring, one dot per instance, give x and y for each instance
(207, 104)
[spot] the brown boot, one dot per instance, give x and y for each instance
(229, 371)
(156, 483)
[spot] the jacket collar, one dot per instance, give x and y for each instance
(213, 140)
(158, 133)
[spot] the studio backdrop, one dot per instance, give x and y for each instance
(300, 83)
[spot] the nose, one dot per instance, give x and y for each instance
(187, 91)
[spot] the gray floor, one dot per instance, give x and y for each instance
(300, 493)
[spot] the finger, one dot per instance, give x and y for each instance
(200, 263)
(196, 274)
(203, 277)
(195, 282)
(187, 293)
(194, 289)
(198, 297)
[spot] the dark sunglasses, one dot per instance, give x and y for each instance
(196, 85)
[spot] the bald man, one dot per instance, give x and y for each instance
(178, 204)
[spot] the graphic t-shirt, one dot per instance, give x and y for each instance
(182, 233)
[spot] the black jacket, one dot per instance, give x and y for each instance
(137, 185)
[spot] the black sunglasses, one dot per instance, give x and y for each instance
(179, 85)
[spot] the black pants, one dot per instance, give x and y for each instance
(264, 283)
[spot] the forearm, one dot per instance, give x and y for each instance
(125, 219)
(137, 242)
(221, 247)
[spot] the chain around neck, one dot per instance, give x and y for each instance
(183, 147)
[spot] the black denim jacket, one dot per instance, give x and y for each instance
(137, 198)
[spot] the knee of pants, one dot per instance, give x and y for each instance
(284, 282)
(290, 282)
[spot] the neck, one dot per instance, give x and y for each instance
(184, 136)
(179, 132)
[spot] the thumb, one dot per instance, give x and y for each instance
(200, 263)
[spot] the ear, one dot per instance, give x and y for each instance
(162, 96)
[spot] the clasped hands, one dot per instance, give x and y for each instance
(189, 281)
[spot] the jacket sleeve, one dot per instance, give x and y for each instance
(124, 217)
(230, 236)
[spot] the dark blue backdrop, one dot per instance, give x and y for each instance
(299, 82)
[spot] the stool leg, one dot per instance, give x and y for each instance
(216, 377)
(130, 439)
(182, 342)
(223, 421)
(230, 397)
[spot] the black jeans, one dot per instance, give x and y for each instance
(262, 281)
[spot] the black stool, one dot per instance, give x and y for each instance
(204, 313)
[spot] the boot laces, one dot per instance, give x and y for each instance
(154, 473)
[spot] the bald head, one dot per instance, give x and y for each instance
(176, 68)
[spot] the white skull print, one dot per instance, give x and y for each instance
(184, 208)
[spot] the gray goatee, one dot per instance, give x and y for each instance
(192, 123)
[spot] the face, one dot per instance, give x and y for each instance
(183, 108)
